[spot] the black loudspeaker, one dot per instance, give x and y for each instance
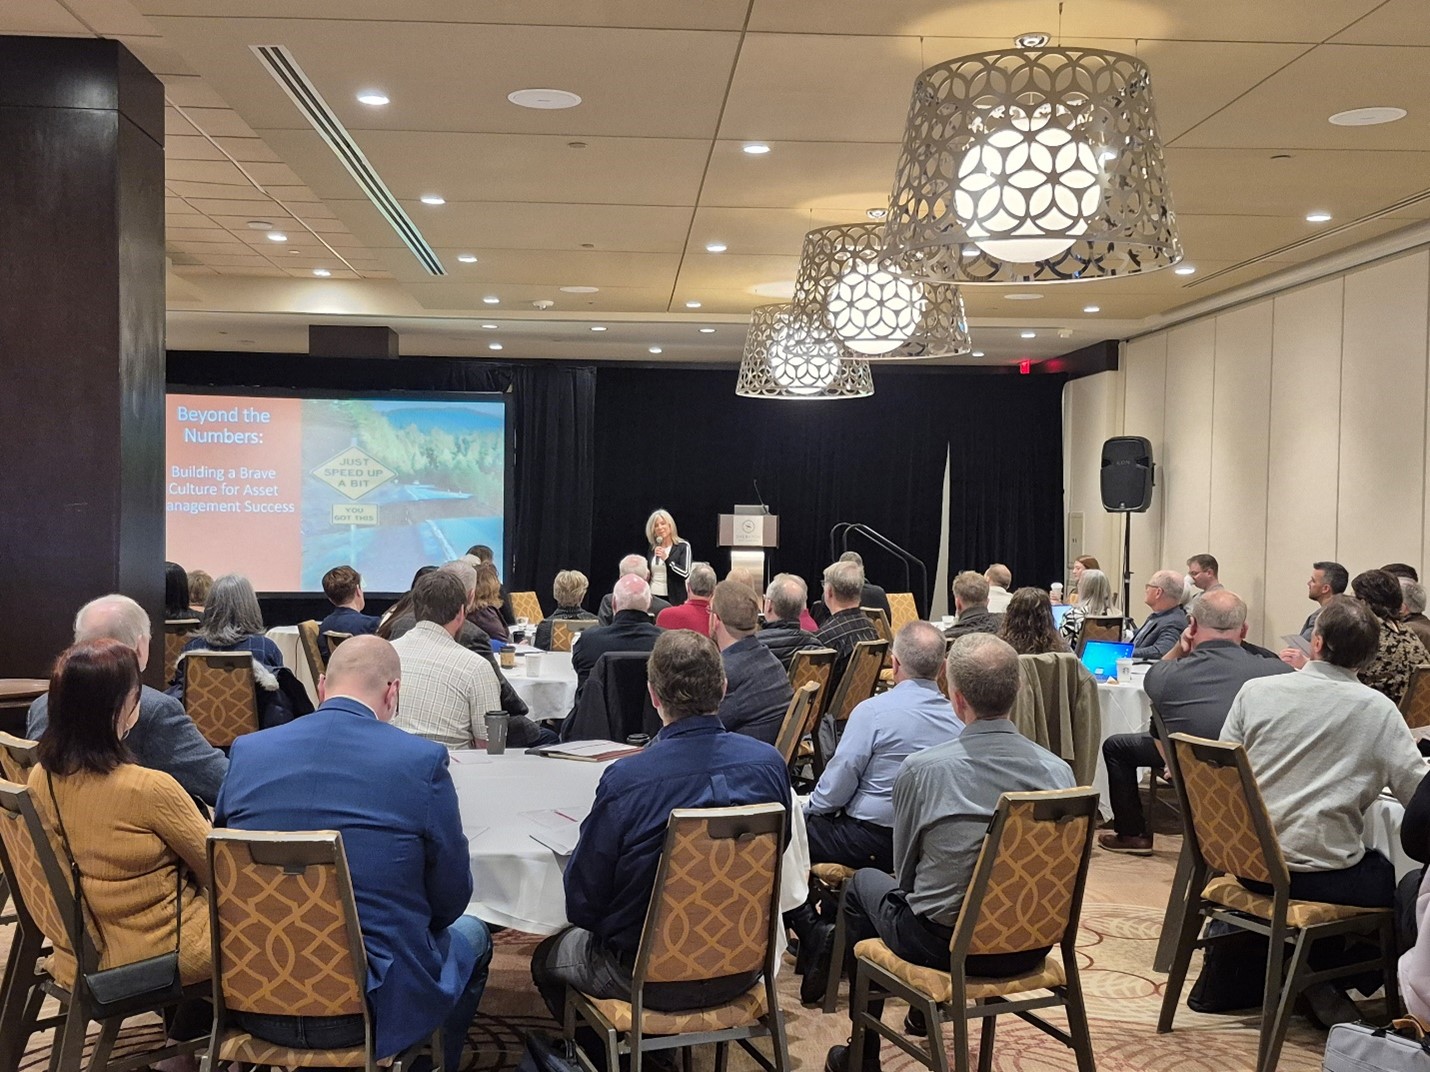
(1126, 475)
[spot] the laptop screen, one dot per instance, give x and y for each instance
(1100, 656)
(1060, 611)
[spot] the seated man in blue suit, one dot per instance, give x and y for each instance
(694, 762)
(343, 587)
(389, 794)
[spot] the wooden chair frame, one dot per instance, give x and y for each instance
(23, 995)
(845, 697)
(17, 756)
(295, 852)
(308, 641)
(237, 660)
(569, 627)
(1057, 806)
(1280, 993)
(176, 633)
(1106, 627)
(880, 621)
(522, 605)
(738, 823)
(1415, 704)
(797, 720)
(903, 610)
(334, 639)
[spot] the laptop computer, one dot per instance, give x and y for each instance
(1100, 656)
(1060, 611)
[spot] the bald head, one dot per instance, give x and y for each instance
(366, 669)
(1219, 615)
(114, 617)
(631, 593)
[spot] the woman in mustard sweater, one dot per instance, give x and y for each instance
(128, 827)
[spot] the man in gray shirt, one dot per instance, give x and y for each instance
(1192, 689)
(944, 799)
(164, 738)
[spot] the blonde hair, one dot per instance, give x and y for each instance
(650, 526)
(569, 588)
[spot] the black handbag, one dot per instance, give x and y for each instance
(144, 984)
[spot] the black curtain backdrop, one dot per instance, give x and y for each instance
(552, 413)
(682, 440)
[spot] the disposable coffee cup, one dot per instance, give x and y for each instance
(497, 722)
(533, 664)
(508, 659)
(1124, 671)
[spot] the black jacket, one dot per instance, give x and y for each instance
(784, 637)
(677, 568)
(631, 630)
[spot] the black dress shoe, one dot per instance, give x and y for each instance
(838, 1058)
(916, 1024)
(816, 951)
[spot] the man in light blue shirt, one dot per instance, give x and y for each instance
(850, 817)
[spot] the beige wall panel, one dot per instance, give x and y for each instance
(1382, 451)
(1184, 466)
(1145, 360)
(1091, 414)
(1241, 401)
(1304, 464)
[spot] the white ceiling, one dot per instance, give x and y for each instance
(672, 90)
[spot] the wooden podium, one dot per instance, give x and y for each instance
(748, 532)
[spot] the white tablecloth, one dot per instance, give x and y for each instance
(552, 693)
(517, 881)
(286, 637)
(1125, 709)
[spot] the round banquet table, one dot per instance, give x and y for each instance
(516, 881)
(552, 693)
(286, 637)
(1124, 709)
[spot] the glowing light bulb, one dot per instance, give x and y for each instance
(874, 311)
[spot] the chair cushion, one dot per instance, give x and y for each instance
(833, 876)
(1228, 892)
(744, 1011)
(241, 1046)
(938, 986)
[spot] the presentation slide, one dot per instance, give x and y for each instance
(283, 489)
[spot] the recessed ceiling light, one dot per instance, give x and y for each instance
(876, 213)
(321, 273)
(372, 98)
(294, 252)
(489, 327)
(260, 225)
(493, 346)
(1318, 217)
(656, 350)
(978, 353)
(1092, 308)
(492, 299)
(433, 199)
(1035, 39)
(692, 305)
(543, 99)
(467, 258)
(1028, 334)
(715, 247)
(1367, 117)
(1185, 269)
(579, 290)
(757, 149)
(597, 327)
(1022, 297)
(707, 331)
(276, 236)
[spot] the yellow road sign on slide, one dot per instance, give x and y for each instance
(354, 472)
(354, 514)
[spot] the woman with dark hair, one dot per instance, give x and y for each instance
(1028, 623)
(486, 604)
(1400, 650)
(136, 836)
(176, 592)
(403, 604)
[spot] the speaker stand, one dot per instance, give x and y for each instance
(1126, 568)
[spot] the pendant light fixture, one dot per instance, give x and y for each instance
(1031, 165)
(788, 356)
(846, 284)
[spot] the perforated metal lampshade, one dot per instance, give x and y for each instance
(846, 284)
(788, 356)
(1031, 166)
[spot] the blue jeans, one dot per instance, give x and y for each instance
(335, 1032)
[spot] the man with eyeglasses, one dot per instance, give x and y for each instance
(1163, 627)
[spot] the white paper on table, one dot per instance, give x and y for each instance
(470, 757)
(561, 841)
(475, 832)
(557, 818)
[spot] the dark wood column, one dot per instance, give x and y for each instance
(81, 340)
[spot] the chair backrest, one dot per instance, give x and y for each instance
(861, 677)
(796, 723)
(1415, 704)
(41, 888)
(903, 610)
(219, 696)
(1027, 886)
(334, 639)
(563, 630)
(17, 756)
(714, 910)
(308, 639)
(286, 939)
(176, 634)
(1227, 823)
(1104, 628)
(817, 665)
(526, 605)
(881, 622)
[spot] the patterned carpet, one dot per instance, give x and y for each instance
(1121, 922)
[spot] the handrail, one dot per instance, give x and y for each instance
(842, 530)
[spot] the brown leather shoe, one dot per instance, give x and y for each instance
(1132, 844)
